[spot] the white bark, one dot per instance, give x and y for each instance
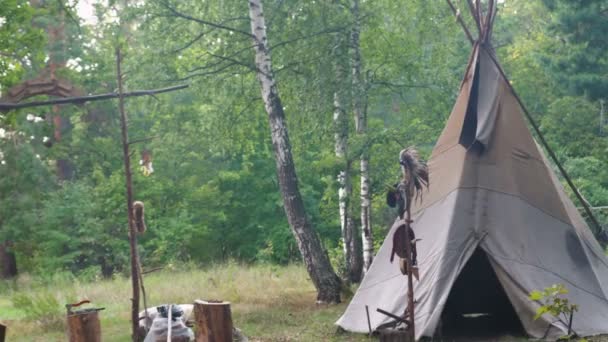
(602, 120)
(359, 108)
(315, 258)
(366, 230)
(352, 254)
(341, 125)
(342, 210)
(340, 137)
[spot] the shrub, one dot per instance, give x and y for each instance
(43, 308)
(553, 303)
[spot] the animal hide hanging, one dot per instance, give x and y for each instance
(138, 214)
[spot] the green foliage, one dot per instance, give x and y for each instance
(554, 303)
(214, 193)
(76, 234)
(20, 42)
(269, 302)
(579, 61)
(42, 307)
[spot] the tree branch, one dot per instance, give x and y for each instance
(329, 30)
(137, 141)
(399, 85)
(461, 22)
(82, 99)
(234, 61)
(202, 34)
(204, 22)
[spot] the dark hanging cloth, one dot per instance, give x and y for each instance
(399, 244)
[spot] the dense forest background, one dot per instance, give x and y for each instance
(213, 193)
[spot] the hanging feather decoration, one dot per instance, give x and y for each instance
(415, 177)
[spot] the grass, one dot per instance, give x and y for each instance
(269, 303)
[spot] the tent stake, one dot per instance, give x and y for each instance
(369, 324)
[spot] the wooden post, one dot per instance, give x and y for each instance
(410, 282)
(213, 321)
(392, 335)
(135, 278)
(84, 327)
(2, 332)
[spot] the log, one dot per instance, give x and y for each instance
(8, 262)
(6, 106)
(213, 321)
(392, 335)
(84, 326)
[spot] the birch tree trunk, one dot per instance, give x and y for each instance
(352, 254)
(360, 111)
(602, 120)
(317, 262)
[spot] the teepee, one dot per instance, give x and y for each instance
(495, 225)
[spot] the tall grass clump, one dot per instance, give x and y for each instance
(42, 308)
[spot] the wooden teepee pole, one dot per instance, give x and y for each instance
(461, 22)
(129, 185)
(410, 281)
(475, 17)
(487, 28)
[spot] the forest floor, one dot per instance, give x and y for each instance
(269, 303)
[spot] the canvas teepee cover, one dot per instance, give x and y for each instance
(491, 190)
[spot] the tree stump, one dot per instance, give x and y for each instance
(392, 335)
(8, 262)
(213, 321)
(84, 326)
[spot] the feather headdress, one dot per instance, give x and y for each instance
(415, 174)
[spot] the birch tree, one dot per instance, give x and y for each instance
(352, 253)
(360, 112)
(317, 262)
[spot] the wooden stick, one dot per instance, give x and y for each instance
(82, 99)
(479, 13)
(395, 317)
(459, 19)
(129, 187)
(152, 270)
(169, 319)
(488, 22)
(491, 16)
(141, 284)
(474, 15)
(369, 324)
(410, 281)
